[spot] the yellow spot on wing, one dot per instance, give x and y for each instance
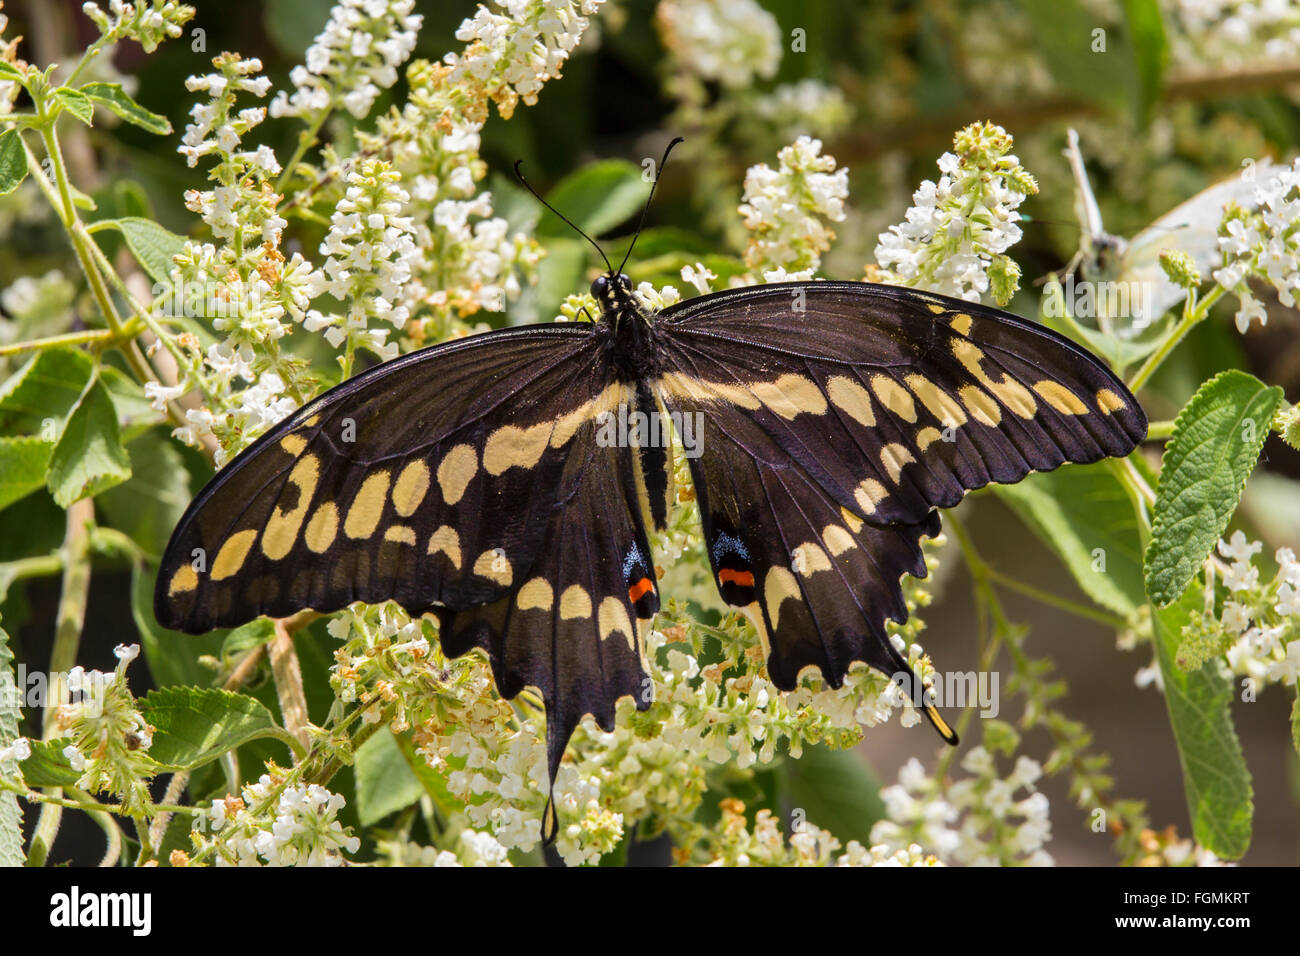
(513, 447)
(293, 444)
(183, 580)
(282, 527)
(1060, 398)
(537, 594)
(322, 527)
(1108, 401)
(367, 506)
(779, 586)
(838, 540)
(894, 397)
(456, 471)
(868, 495)
(928, 436)
(612, 618)
(935, 307)
(852, 520)
(1010, 392)
(411, 487)
(791, 395)
(981, 404)
(446, 541)
(232, 554)
(851, 398)
(894, 456)
(494, 566)
(936, 401)
(961, 322)
(574, 603)
(400, 533)
(808, 559)
(681, 385)
(607, 401)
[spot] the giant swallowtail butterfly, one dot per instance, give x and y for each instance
(838, 418)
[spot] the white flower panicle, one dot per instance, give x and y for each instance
(353, 59)
(730, 42)
(1232, 32)
(369, 253)
(275, 824)
(147, 22)
(786, 210)
(513, 47)
(956, 235)
(1263, 244)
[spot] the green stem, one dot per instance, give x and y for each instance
(1193, 313)
(70, 619)
(83, 802)
(101, 338)
(1113, 621)
(1160, 431)
(306, 140)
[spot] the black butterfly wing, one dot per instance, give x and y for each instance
(837, 417)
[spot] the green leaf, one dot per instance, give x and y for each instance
(11, 814)
(76, 103)
(119, 101)
(134, 413)
(13, 161)
(247, 636)
(89, 456)
(37, 399)
(1215, 777)
(23, 462)
(1146, 32)
(150, 505)
(11, 72)
(1084, 515)
(195, 725)
(559, 275)
(385, 783)
(433, 781)
(597, 197)
(1085, 60)
(837, 791)
(152, 245)
(47, 767)
(1216, 443)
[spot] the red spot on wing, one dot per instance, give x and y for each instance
(639, 590)
(743, 578)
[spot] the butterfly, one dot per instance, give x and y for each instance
(470, 480)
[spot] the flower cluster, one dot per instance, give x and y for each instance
(109, 737)
(956, 235)
(147, 23)
(352, 60)
(763, 845)
(978, 821)
(510, 55)
(472, 848)
(370, 249)
(1263, 244)
(1258, 626)
(1232, 32)
(784, 210)
(730, 42)
(274, 825)
(242, 283)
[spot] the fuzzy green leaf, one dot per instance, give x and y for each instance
(1216, 443)
(13, 161)
(37, 399)
(11, 814)
(385, 783)
(152, 245)
(89, 456)
(597, 198)
(119, 101)
(1082, 513)
(76, 103)
(23, 462)
(194, 725)
(1215, 778)
(47, 766)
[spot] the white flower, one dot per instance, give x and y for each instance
(1262, 243)
(1238, 548)
(20, 749)
(731, 42)
(784, 208)
(352, 59)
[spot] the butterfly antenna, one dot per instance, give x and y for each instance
(571, 224)
(653, 186)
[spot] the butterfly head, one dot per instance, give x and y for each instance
(613, 293)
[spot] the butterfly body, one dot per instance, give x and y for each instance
(479, 485)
